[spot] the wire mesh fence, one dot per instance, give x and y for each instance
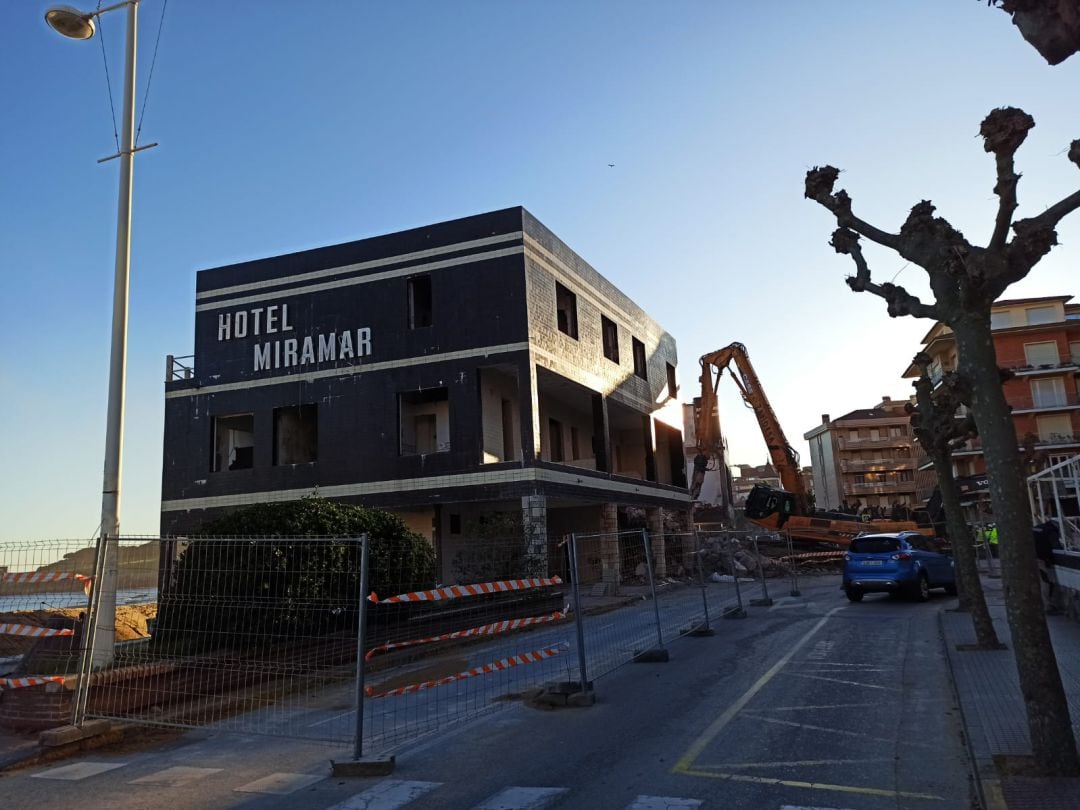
(450, 653)
(43, 602)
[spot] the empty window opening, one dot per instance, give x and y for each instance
(419, 302)
(640, 365)
(566, 307)
(234, 442)
(555, 440)
(610, 334)
(575, 447)
(508, 430)
(296, 434)
(425, 422)
(455, 523)
(672, 386)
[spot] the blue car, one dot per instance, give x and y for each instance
(897, 562)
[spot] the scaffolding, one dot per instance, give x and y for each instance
(1055, 495)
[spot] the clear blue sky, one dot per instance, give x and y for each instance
(309, 124)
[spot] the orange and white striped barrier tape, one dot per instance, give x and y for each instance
(22, 683)
(32, 631)
(32, 577)
(811, 555)
(486, 669)
(458, 591)
(485, 630)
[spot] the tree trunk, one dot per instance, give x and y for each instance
(1049, 724)
(967, 569)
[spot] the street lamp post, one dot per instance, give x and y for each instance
(81, 25)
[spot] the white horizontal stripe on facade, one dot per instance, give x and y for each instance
(522, 474)
(355, 280)
(347, 371)
(352, 268)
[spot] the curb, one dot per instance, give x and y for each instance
(987, 789)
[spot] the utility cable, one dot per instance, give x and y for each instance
(150, 75)
(108, 81)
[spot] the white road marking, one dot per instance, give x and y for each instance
(838, 680)
(280, 784)
(805, 807)
(842, 732)
(521, 798)
(332, 719)
(662, 803)
(388, 794)
(78, 770)
(795, 763)
(819, 706)
(176, 776)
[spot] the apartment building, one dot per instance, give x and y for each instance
(865, 458)
(444, 372)
(1038, 339)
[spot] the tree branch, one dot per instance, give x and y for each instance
(819, 188)
(900, 301)
(1003, 130)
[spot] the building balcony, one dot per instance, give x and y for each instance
(877, 465)
(871, 444)
(1071, 366)
(1052, 441)
(879, 488)
(1049, 402)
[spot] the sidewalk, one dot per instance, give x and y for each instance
(993, 710)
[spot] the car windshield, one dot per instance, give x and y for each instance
(874, 545)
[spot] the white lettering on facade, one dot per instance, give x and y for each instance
(285, 325)
(240, 324)
(224, 326)
(262, 356)
(290, 352)
(271, 319)
(277, 354)
(307, 354)
(345, 350)
(256, 316)
(363, 341)
(327, 347)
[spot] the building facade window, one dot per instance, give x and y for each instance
(1000, 320)
(234, 442)
(296, 435)
(419, 291)
(1042, 354)
(641, 367)
(610, 333)
(1048, 393)
(1054, 428)
(566, 310)
(555, 441)
(672, 385)
(1037, 315)
(1074, 352)
(425, 422)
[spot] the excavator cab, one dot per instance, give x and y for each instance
(763, 501)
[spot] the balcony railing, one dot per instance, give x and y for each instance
(879, 487)
(1025, 369)
(847, 443)
(1055, 400)
(179, 368)
(877, 465)
(974, 446)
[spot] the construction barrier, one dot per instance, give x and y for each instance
(459, 591)
(32, 631)
(486, 669)
(485, 630)
(34, 577)
(23, 683)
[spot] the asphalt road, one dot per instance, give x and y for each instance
(813, 703)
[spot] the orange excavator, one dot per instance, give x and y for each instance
(774, 509)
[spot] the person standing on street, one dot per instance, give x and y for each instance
(1047, 538)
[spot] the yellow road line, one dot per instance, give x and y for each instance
(764, 780)
(717, 725)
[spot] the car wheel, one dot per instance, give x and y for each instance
(950, 589)
(854, 594)
(922, 588)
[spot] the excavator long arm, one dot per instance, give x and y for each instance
(783, 456)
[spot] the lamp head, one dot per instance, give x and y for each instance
(70, 22)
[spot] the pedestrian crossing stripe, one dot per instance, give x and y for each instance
(389, 794)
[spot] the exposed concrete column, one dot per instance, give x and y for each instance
(530, 412)
(534, 517)
(610, 569)
(601, 433)
(655, 520)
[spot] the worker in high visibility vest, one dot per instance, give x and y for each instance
(992, 539)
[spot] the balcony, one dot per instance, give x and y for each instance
(1053, 401)
(877, 465)
(1051, 441)
(879, 488)
(1071, 366)
(871, 444)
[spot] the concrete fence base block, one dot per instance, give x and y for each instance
(795, 592)
(64, 735)
(763, 602)
(657, 655)
(581, 699)
(734, 613)
(701, 632)
(363, 767)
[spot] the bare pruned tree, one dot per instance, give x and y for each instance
(938, 429)
(965, 280)
(1051, 26)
